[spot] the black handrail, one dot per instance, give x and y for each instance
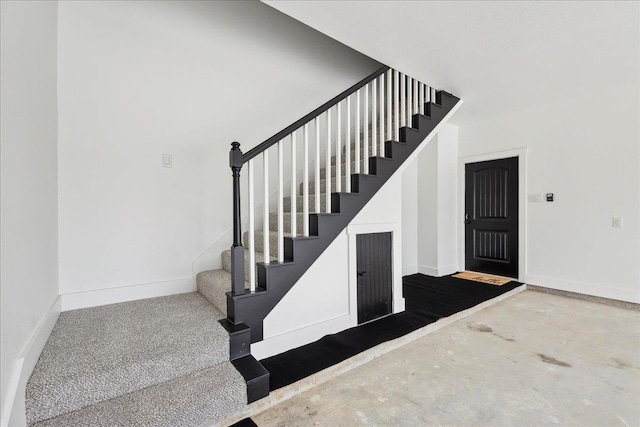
(312, 115)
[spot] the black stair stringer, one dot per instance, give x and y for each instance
(276, 279)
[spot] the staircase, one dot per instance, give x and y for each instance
(308, 221)
(186, 359)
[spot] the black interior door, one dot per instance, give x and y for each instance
(375, 275)
(491, 217)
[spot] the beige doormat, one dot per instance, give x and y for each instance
(482, 278)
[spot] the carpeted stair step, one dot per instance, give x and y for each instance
(226, 260)
(286, 220)
(213, 285)
(343, 168)
(259, 238)
(204, 397)
(323, 187)
(300, 201)
(101, 353)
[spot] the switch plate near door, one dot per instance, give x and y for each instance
(616, 222)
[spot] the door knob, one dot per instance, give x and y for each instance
(466, 219)
(362, 273)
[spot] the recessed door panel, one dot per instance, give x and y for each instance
(375, 275)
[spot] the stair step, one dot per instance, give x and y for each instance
(101, 353)
(286, 219)
(226, 260)
(213, 285)
(323, 187)
(256, 376)
(343, 168)
(259, 238)
(205, 397)
(300, 202)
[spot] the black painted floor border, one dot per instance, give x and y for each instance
(427, 300)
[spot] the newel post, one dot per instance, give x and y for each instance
(237, 250)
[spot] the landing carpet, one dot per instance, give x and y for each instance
(427, 300)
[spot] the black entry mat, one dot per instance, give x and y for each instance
(427, 300)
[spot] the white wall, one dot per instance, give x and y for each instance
(29, 183)
(410, 238)
(585, 150)
(138, 79)
(427, 229)
(447, 199)
(437, 204)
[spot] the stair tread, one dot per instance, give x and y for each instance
(124, 347)
(204, 397)
(213, 285)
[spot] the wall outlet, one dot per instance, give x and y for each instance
(167, 161)
(535, 198)
(616, 222)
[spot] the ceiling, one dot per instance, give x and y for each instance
(497, 56)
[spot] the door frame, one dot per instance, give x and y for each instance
(521, 154)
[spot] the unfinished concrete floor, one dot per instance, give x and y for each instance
(533, 359)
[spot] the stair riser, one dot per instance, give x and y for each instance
(323, 186)
(259, 239)
(286, 220)
(343, 169)
(300, 202)
(226, 264)
(226, 261)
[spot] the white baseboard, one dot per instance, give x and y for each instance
(409, 269)
(13, 406)
(75, 300)
(293, 339)
(629, 295)
(437, 271)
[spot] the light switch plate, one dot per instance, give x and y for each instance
(616, 222)
(535, 198)
(167, 161)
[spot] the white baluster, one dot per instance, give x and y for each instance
(390, 135)
(316, 193)
(280, 202)
(365, 155)
(305, 183)
(409, 101)
(265, 219)
(327, 166)
(416, 98)
(294, 189)
(339, 148)
(382, 113)
(374, 119)
(357, 133)
(403, 113)
(427, 93)
(421, 100)
(348, 148)
(252, 229)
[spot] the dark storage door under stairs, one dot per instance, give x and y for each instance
(491, 217)
(375, 275)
